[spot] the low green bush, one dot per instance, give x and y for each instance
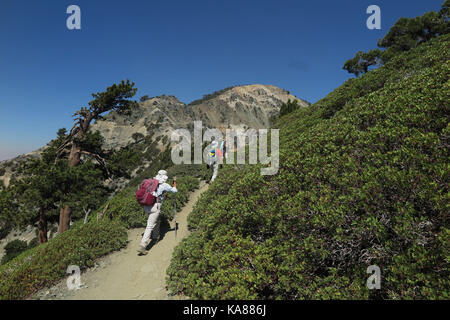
(199, 171)
(5, 227)
(13, 249)
(288, 107)
(185, 186)
(44, 265)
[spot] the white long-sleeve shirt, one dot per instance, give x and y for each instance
(163, 187)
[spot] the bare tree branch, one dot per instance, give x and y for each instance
(99, 217)
(98, 158)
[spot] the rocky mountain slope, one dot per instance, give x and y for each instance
(249, 106)
(8, 168)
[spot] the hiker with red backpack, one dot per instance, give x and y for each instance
(150, 196)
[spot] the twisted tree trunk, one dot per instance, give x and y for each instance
(65, 211)
(65, 214)
(42, 226)
(75, 154)
(114, 98)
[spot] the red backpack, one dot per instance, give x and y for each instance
(144, 194)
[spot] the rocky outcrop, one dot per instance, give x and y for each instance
(9, 168)
(250, 106)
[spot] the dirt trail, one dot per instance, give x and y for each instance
(125, 274)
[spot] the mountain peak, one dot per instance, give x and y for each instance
(250, 106)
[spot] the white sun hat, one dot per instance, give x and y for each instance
(162, 176)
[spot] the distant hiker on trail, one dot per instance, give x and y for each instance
(215, 154)
(150, 195)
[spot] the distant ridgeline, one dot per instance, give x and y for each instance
(211, 96)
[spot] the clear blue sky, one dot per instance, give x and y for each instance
(184, 48)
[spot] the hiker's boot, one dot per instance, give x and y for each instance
(142, 250)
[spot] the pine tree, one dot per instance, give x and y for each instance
(47, 186)
(115, 98)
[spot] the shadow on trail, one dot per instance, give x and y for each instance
(164, 229)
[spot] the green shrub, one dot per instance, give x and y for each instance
(33, 243)
(193, 170)
(123, 207)
(5, 227)
(402, 66)
(363, 180)
(13, 249)
(288, 107)
(43, 265)
(185, 185)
